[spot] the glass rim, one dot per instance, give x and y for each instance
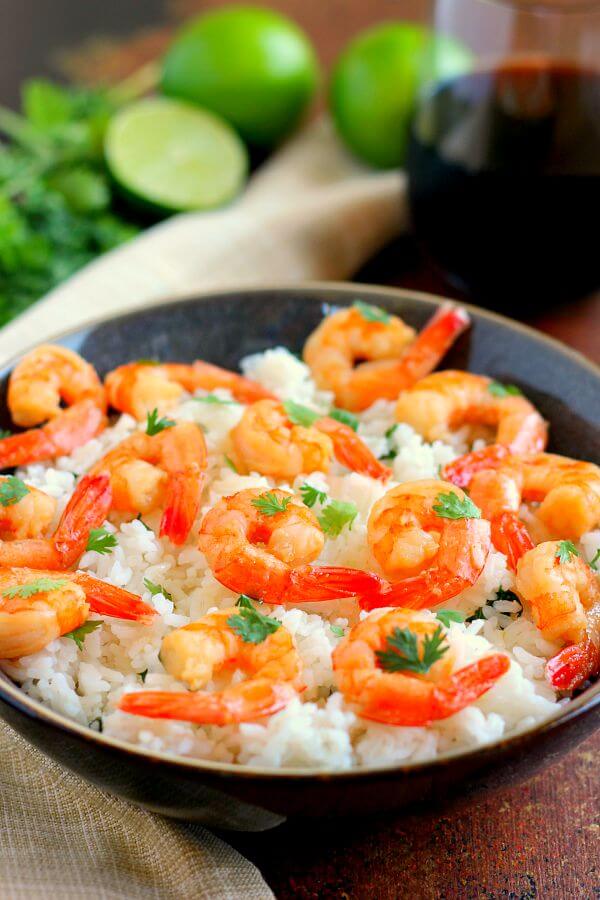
(552, 7)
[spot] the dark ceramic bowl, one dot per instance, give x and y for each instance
(222, 328)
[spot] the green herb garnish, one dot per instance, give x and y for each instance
(216, 401)
(345, 417)
(299, 414)
(371, 313)
(101, 541)
(250, 624)
(312, 495)
(230, 463)
(4, 433)
(504, 390)
(337, 630)
(143, 676)
(79, 634)
(402, 653)
(269, 504)
(39, 586)
(336, 516)
(478, 614)
(12, 489)
(565, 551)
(503, 594)
(450, 506)
(446, 616)
(154, 425)
(148, 361)
(594, 560)
(155, 589)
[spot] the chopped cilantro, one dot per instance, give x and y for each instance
(101, 541)
(594, 560)
(371, 313)
(39, 586)
(312, 495)
(299, 414)
(216, 401)
(269, 504)
(336, 516)
(446, 616)
(148, 361)
(337, 630)
(143, 676)
(503, 594)
(4, 433)
(154, 425)
(245, 602)
(79, 634)
(478, 614)
(230, 463)
(565, 551)
(345, 417)
(402, 652)
(504, 390)
(251, 625)
(450, 506)
(155, 589)
(12, 489)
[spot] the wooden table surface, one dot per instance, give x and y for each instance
(538, 840)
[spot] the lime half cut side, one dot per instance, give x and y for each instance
(175, 157)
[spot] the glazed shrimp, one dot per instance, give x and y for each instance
(574, 664)
(267, 555)
(498, 494)
(29, 621)
(336, 352)
(138, 388)
(444, 401)
(161, 470)
(43, 379)
(430, 558)
(199, 651)
(87, 509)
(266, 441)
(26, 517)
(402, 697)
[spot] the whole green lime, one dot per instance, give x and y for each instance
(250, 65)
(375, 82)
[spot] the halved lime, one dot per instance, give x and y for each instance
(174, 156)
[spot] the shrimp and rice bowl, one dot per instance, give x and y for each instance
(330, 562)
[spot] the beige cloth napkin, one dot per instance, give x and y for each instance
(310, 213)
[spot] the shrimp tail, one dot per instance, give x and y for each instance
(87, 509)
(309, 583)
(109, 600)
(72, 428)
(461, 471)
(433, 342)
(351, 451)
(252, 700)
(208, 376)
(511, 537)
(468, 684)
(572, 667)
(184, 491)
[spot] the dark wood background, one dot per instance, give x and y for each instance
(538, 840)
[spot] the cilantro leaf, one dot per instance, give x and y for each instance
(39, 586)
(154, 425)
(450, 506)
(143, 675)
(251, 625)
(101, 541)
(446, 616)
(337, 630)
(269, 504)
(79, 634)
(497, 389)
(312, 495)
(402, 651)
(345, 417)
(371, 313)
(503, 594)
(4, 433)
(391, 431)
(336, 515)
(230, 463)
(157, 589)
(299, 414)
(12, 489)
(478, 614)
(594, 560)
(565, 551)
(216, 401)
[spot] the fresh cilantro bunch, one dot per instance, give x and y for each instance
(56, 200)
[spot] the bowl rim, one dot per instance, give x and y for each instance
(586, 702)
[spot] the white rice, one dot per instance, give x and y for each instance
(320, 729)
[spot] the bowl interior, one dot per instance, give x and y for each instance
(222, 328)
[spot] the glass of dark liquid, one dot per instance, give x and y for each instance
(504, 160)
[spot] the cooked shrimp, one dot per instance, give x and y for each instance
(440, 403)
(574, 664)
(87, 509)
(199, 651)
(559, 593)
(497, 493)
(56, 603)
(26, 517)
(336, 352)
(401, 697)
(266, 441)
(435, 557)
(568, 490)
(161, 470)
(267, 554)
(138, 388)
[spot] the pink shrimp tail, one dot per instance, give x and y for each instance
(308, 583)
(72, 428)
(461, 471)
(184, 491)
(572, 667)
(108, 600)
(204, 708)
(351, 451)
(87, 509)
(468, 684)
(208, 376)
(511, 537)
(433, 342)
